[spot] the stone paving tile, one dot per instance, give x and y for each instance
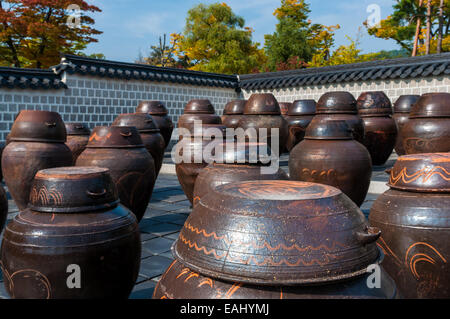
(143, 290)
(173, 236)
(177, 219)
(161, 229)
(165, 206)
(154, 266)
(158, 245)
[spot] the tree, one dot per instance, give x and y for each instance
(215, 40)
(33, 33)
(162, 55)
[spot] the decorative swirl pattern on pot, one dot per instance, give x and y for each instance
(374, 103)
(431, 105)
(115, 137)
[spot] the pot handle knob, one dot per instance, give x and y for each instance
(388, 171)
(101, 194)
(128, 134)
(50, 124)
(370, 235)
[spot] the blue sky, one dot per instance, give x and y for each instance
(130, 26)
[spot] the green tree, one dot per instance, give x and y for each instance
(162, 55)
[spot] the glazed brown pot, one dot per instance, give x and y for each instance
(3, 207)
(2, 147)
(277, 233)
(284, 107)
(36, 142)
(198, 110)
(179, 282)
(236, 164)
(74, 223)
(263, 112)
(300, 114)
(402, 107)
(150, 134)
(323, 157)
(414, 217)
(233, 112)
(132, 168)
(160, 116)
(428, 129)
(77, 138)
(380, 129)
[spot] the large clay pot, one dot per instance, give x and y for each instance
(323, 157)
(36, 142)
(263, 112)
(77, 138)
(402, 107)
(2, 147)
(237, 164)
(150, 134)
(380, 129)
(299, 115)
(160, 116)
(277, 233)
(73, 228)
(3, 208)
(233, 112)
(179, 282)
(198, 110)
(341, 106)
(414, 217)
(428, 130)
(132, 168)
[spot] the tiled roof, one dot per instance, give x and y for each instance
(29, 79)
(104, 68)
(413, 67)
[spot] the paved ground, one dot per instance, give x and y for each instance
(163, 220)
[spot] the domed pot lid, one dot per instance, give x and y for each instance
(38, 126)
(432, 105)
(142, 121)
(199, 107)
(235, 107)
(115, 137)
(73, 190)
(243, 153)
(74, 129)
(302, 107)
(328, 130)
(277, 233)
(284, 107)
(336, 102)
(374, 103)
(404, 103)
(152, 108)
(262, 104)
(422, 173)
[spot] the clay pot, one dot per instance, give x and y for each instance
(74, 224)
(300, 114)
(198, 110)
(132, 168)
(284, 107)
(402, 107)
(77, 138)
(36, 142)
(2, 147)
(150, 134)
(179, 282)
(237, 164)
(262, 111)
(375, 109)
(428, 129)
(160, 116)
(233, 112)
(414, 218)
(341, 106)
(323, 157)
(277, 233)
(3, 208)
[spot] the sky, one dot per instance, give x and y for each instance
(132, 26)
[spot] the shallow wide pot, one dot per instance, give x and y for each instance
(77, 138)
(160, 116)
(277, 233)
(132, 168)
(74, 222)
(415, 222)
(3, 207)
(380, 137)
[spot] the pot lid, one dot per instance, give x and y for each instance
(432, 105)
(404, 103)
(233, 152)
(38, 126)
(152, 108)
(77, 129)
(115, 137)
(262, 104)
(337, 102)
(199, 107)
(375, 103)
(73, 190)
(235, 107)
(302, 107)
(277, 233)
(324, 129)
(428, 172)
(284, 107)
(142, 121)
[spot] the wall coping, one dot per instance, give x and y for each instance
(30, 79)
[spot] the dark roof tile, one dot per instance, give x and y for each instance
(29, 79)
